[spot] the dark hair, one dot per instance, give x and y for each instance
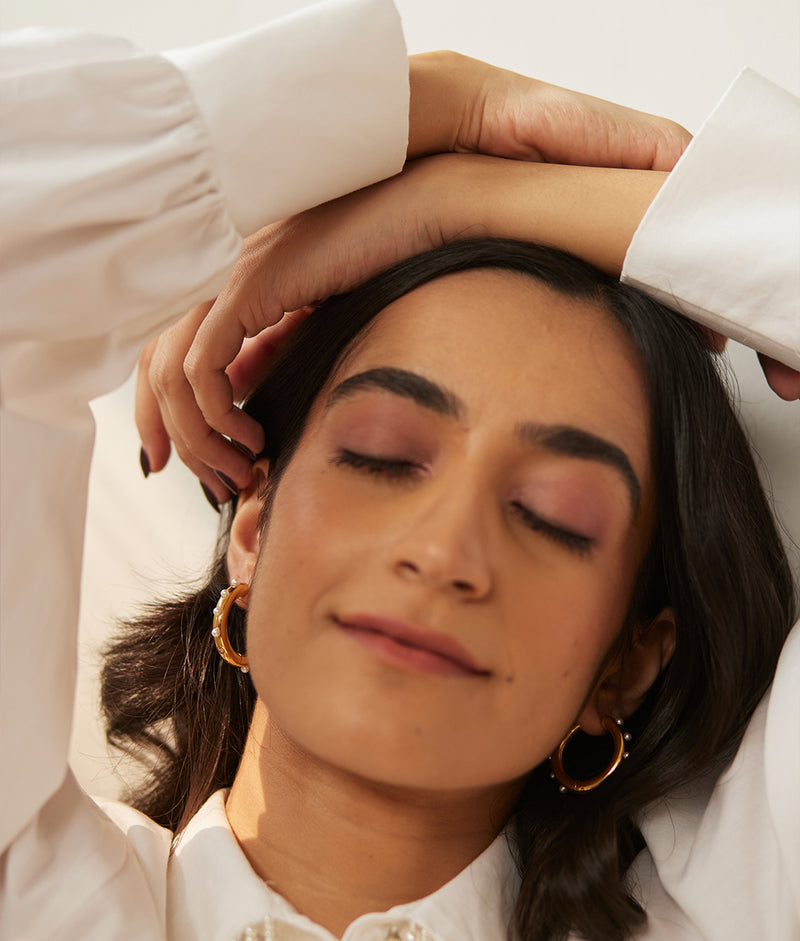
(716, 558)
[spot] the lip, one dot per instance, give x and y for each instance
(407, 645)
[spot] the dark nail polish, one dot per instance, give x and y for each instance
(243, 449)
(209, 495)
(224, 479)
(144, 462)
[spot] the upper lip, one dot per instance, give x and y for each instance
(406, 633)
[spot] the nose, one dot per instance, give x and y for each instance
(443, 542)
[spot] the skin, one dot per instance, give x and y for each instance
(589, 211)
(366, 781)
(191, 376)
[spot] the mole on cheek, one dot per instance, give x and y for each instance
(510, 678)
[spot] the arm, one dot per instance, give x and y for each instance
(327, 250)
(125, 222)
(489, 111)
(747, 184)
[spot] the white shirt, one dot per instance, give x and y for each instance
(112, 227)
(721, 241)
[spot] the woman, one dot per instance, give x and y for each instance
(447, 571)
(69, 869)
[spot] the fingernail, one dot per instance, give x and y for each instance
(224, 479)
(208, 493)
(243, 449)
(144, 462)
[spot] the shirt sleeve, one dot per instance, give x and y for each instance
(726, 854)
(721, 241)
(126, 181)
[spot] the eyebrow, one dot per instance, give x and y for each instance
(565, 440)
(401, 382)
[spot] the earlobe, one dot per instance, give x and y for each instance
(629, 677)
(244, 542)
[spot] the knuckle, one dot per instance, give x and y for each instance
(163, 379)
(192, 368)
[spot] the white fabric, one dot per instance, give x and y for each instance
(318, 129)
(214, 893)
(721, 241)
(723, 861)
(114, 223)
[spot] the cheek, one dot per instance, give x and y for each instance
(558, 633)
(308, 547)
(307, 521)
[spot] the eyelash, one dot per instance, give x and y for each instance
(399, 469)
(390, 468)
(575, 542)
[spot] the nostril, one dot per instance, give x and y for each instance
(462, 585)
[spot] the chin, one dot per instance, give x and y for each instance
(393, 754)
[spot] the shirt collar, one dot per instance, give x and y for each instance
(215, 894)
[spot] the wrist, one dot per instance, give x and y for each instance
(589, 211)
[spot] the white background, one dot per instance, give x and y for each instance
(673, 58)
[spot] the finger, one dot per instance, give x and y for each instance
(215, 347)
(203, 450)
(220, 466)
(256, 354)
(783, 380)
(147, 414)
(661, 143)
(213, 392)
(572, 128)
(615, 136)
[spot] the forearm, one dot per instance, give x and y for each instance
(458, 104)
(592, 212)
(133, 215)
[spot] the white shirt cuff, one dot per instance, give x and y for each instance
(721, 241)
(317, 99)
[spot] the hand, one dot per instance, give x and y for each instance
(166, 408)
(783, 380)
(464, 105)
(190, 378)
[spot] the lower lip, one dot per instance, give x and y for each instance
(400, 655)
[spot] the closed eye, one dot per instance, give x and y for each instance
(389, 467)
(575, 542)
(392, 468)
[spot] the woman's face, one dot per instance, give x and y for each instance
(452, 549)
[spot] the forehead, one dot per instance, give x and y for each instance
(514, 351)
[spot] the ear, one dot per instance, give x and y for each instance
(245, 536)
(627, 679)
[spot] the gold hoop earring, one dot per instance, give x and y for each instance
(567, 782)
(219, 627)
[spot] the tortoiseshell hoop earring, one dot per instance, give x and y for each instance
(219, 628)
(567, 782)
